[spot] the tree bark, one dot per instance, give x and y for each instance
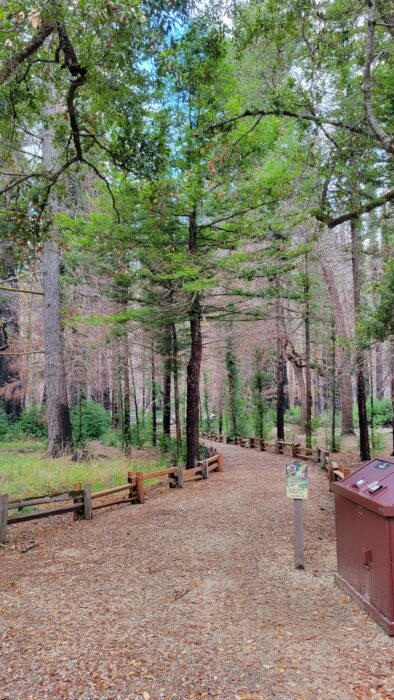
(194, 364)
(308, 376)
(280, 372)
(360, 363)
(154, 407)
(175, 370)
(59, 424)
(126, 438)
(167, 368)
(343, 354)
(231, 377)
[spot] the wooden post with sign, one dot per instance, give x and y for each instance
(299, 533)
(297, 489)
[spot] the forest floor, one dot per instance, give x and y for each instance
(192, 595)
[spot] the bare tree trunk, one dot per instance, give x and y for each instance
(280, 371)
(344, 359)
(167, 367)
(175, 370)
(137, 419)
(154, 407)
(392, 388)
(360, 364)
(126, 397)
(308, 376)
(59, 424)
(194, 364)
(206, 403)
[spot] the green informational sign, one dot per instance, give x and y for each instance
(297, 480)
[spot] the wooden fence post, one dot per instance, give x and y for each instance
(179, 477)
(204, 469)
(262, 444)
(87, 503)
(77, 513)
(220, 462)
(3, 517)
(140, 487)
(130, 481)
(277, 450)
(294, 449)
(251, 442)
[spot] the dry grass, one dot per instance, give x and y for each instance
(25, 470)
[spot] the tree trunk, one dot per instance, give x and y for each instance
(193, 386)
(126, 438)
(333, 389)
(154, 407)
(175, 370)
(231, 376)
(137, 420)
(167, 368)
(280, 373)
(194, 364)
(308, 376)
(360, 364)
(392, 388)
(10, 382)
(59, 424)
(344, 359)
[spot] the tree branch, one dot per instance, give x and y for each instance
(10, 66)
(385, 140)
(22, 291)
(289, 113)
(356, 213)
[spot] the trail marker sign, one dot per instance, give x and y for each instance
(297, 489)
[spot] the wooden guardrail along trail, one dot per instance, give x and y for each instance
(295, 449)
(82, 503)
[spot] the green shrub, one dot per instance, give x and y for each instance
(7, 428)
(293, 415)
(383, 412)
(112, 438)
(33, 423)
(89, 421)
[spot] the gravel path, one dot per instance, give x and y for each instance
(192, 595)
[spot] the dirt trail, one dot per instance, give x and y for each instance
(192, 595)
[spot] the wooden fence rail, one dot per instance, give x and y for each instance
(295, 449)
(81, 502)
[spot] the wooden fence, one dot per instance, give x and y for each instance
(295, 449)
(82, 502)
